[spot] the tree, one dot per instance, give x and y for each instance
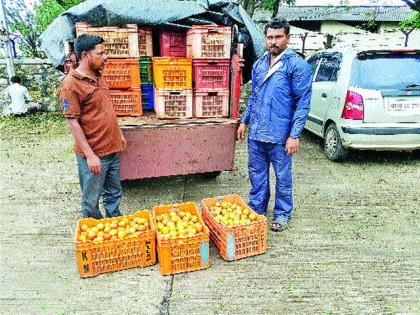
(409, 25)
(24, 29)
(414, 4)
(271, 5)
(27, 26)
(48, 10)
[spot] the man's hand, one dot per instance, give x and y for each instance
(124, 142)
(94, 164)
(292, 146)
(241, 132)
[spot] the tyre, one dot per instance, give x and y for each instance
(333, 147)
(211, 175)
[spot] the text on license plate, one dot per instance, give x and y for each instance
(405, 107)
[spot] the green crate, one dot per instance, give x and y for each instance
(146, 72)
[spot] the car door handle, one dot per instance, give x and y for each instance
(324, 95)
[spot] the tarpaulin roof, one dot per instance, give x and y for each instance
(156, 14)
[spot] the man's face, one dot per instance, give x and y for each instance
(97, 58)
(276, 40)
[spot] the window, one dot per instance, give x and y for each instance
(328, 70)
(391, 70)
(313, 62)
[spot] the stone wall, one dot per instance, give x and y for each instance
(39, 76)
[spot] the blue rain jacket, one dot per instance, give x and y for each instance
(279, 101)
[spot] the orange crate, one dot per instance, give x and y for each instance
(183, 254)
(145, 42)
(211, 103)
(120, 42)
(113, 255)
(127, 103)
(172, 72)
(173, 103)
(209, 41)
(239, 241)
(122, 73)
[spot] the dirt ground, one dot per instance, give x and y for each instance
(353, 246)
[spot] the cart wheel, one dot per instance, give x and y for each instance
(211, 175)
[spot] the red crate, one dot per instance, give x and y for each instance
(122, 73)
(120, 42)
(127, 103)
(145, 42)
(211, 73)
(211, 103)
(173, 44)
(209, 41)
(173, 103)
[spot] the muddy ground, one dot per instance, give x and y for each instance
(353, 247)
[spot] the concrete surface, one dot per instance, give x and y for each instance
(353, 246)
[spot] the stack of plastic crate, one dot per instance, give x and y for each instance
(146, 70)
(172, 78)
(209, 46)
(122, 68)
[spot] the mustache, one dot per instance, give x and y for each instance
(274, 46)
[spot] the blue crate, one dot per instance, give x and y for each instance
(147, 97)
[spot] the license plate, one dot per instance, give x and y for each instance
(404, 107)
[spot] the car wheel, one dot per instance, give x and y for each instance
(333, 148)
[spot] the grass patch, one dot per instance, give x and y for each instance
(36, 123)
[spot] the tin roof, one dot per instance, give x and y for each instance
(338, 13)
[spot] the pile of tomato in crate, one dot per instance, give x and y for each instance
(189, 78)
(178, 233)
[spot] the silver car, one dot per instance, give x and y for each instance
(366, 99)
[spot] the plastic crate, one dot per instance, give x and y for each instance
(172, 73)
(147, 96)
(127, 103)
(173, 103)
(209, 41)
(183, 254)
(211, 103)
(120, 42)
(122, 73)
(239, 241)
(145, 42)
(113, 255)
(173, 44)
(211, 73)
(146, 70)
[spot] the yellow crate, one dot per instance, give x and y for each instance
(113, 255)
(172, 73)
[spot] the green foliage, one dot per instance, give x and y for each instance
(28, 25)
(412, 22)
(22, 24)
(39, 123)
(47, 10)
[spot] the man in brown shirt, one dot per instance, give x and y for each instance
(87, 106)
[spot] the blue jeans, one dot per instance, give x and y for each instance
(260, 155)
(108, 184)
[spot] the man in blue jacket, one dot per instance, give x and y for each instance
(276, 113)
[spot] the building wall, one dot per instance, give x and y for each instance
(333, 27)
(346, 36)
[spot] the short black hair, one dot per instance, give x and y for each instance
(15, 79)
(86, 42)
(278, 23)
